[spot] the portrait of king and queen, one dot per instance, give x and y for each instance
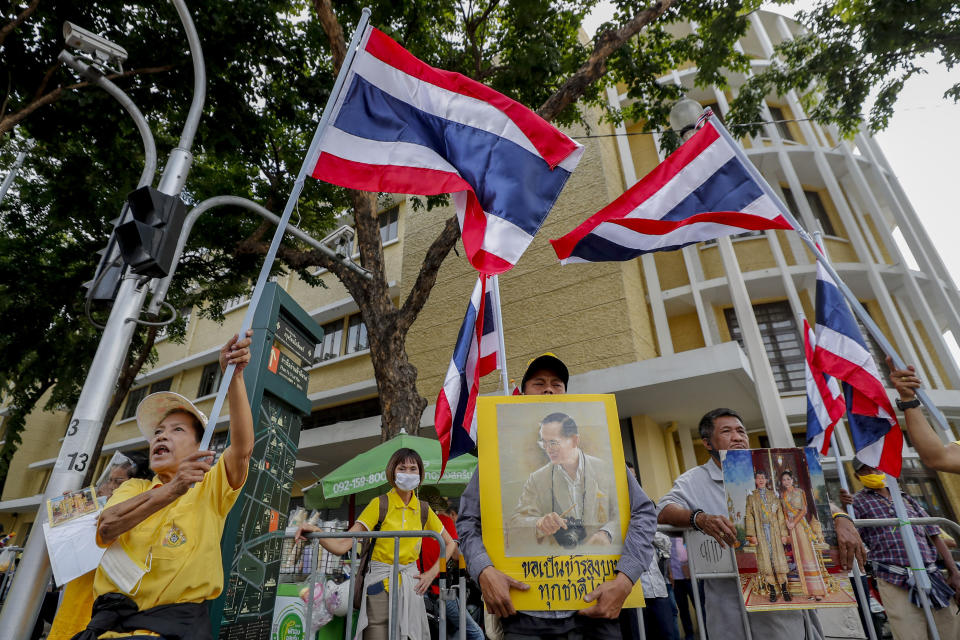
(786, 559)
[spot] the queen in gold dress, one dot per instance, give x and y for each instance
(802, 537)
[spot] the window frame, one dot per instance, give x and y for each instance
(789, 369)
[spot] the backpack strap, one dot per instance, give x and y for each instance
(383, 504)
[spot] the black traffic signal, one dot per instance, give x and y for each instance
(148, 241)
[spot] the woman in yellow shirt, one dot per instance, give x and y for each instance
(404, 473)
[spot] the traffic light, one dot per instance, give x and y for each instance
(148, 241)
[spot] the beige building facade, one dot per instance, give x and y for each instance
(666, 333)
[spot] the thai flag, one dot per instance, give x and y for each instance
(825, 403)
(474, 356)
(842, 353)
(702, 191)
(402, 126)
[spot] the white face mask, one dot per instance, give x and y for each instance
(407, 481)
(125, 572)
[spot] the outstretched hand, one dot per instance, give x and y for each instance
(236, 352)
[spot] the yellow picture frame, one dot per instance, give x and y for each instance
(561, 577)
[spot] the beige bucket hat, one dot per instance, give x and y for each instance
(155, 406)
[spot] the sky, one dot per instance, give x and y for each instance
(921, 144)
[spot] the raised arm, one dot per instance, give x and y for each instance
(122, 517)
(933, 452)
(236, 457)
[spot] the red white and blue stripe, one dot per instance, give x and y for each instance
(702, 191)
(402, 126)
(842, 352)
(474, 356)
(825, 402)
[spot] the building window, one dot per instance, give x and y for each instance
(136, 395)
(342, 413)
(209, 379)
(816, 206)
(388, 224)
(781, 339)
(332, 341)
(356, 334)
(780, 122)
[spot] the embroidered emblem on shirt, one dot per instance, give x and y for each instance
(175, 537)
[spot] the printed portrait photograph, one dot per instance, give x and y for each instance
(786, 548)
(71, 505)
(558, 491)
(553, 495)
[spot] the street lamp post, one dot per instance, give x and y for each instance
(26, 594)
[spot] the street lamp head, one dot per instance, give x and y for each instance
(683, 117)
(97, 46)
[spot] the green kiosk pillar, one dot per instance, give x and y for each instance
(284, 340)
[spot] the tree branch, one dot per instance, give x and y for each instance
(427, 277)
(9, 122)
(596, 65)
(331, 26)
(46, 80)
(16, 22)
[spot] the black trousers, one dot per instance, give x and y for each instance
(683, 591)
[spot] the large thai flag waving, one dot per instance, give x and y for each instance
(474, 356)
(825, 402)
(402, 126)
(702, 191)
(842, 352)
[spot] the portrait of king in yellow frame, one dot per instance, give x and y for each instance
(553, 494)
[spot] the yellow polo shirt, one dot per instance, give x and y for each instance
(184, 538)
(400, 517)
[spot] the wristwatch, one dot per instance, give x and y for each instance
(909, 404)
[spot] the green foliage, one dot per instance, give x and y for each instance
(857, 47)
(269, 73)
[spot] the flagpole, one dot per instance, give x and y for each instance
(907, 534)
(855, 305)
(857, 581)
(502, 352)
(309, 160)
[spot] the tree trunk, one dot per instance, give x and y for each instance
(401, 405)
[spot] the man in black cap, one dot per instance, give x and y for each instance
(547, 375)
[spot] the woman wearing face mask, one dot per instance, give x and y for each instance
(404, 512)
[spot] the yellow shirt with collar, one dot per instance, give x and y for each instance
(184, 539)
(400, 517)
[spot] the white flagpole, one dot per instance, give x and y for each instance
(308, 161)
(857, 582)
(855, 305)
(502, 350)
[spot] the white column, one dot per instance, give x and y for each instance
(914, 233)
(651, 279)
(686, 436)
(774, 417)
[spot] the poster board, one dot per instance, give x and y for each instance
(786, 543)
(522, 462)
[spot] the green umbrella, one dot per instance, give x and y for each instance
(365, 475)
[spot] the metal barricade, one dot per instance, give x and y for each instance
(880, 522)
(6, 578)
(394, 625)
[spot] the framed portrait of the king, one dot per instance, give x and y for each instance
(553, 493)
(786, 548)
